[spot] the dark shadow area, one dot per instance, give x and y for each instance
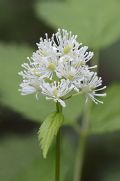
(19, 23)
(12, 122)
(102, 157)
(110, 63)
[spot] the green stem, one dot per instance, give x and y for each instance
(57, 172)
(57, 166)
(80, 157)
(84, 131)
(58, 107)
(82, 143)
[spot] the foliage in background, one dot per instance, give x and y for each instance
(20, 158)
(27, 161)
(103, 116)
(110, 62)
(106, 117)
(28, 164)
(96, 22)
(28, 106)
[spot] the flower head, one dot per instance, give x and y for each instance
(56, 90)
(59, 68)
(89, 86)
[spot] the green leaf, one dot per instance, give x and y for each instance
(49, 130)
(96, 22)
(106, 117)
(21, 159)
(10, 64)
(16, 154)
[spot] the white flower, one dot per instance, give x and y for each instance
(90, 86)
(69, 69)
(30, 86)
(47, 66)
(66, 43)
(58, 67)
(56, 90)
(46, 48)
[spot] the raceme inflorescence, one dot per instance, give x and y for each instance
(60, 69)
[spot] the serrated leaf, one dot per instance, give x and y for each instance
(96, 22)
(49, 130)
(10, 65)
(106, 117)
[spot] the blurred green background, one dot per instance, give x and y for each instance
(22, 23)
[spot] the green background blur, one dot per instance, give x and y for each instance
(22, 23)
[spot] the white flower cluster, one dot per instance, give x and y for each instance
(59, 69)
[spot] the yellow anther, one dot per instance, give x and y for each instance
(67, 49)
(51, 66)
(55, 92)
(70, 77)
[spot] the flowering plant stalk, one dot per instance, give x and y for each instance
(59, 70)
(83, 132)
